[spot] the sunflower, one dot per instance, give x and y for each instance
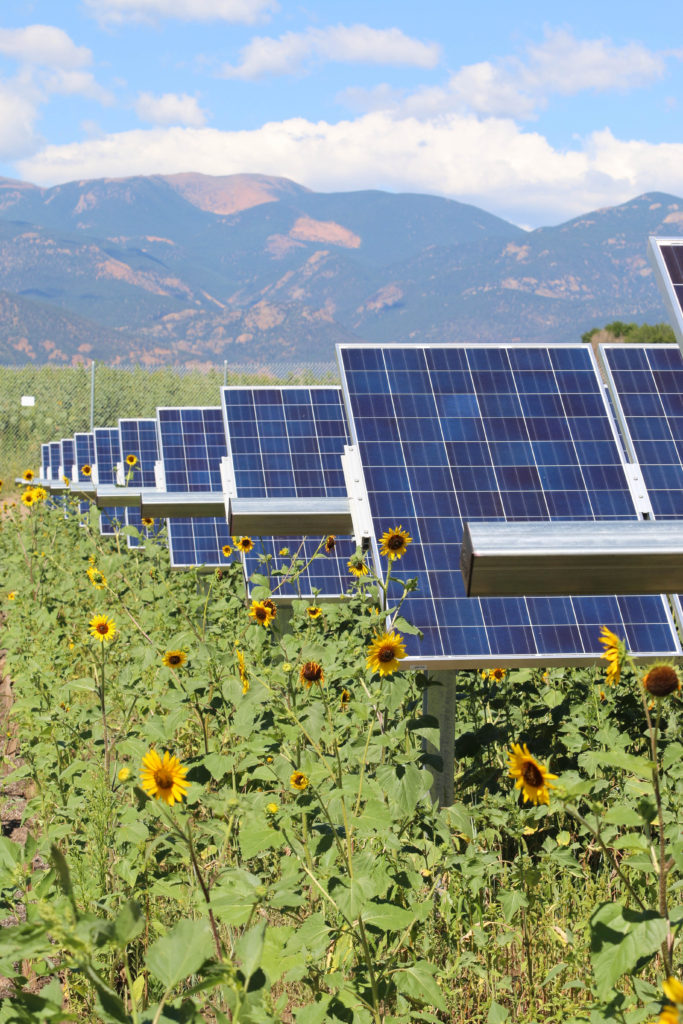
(314, 612)
(131, 460)
(227, 550)
(174, 659)
(12, 596)
(28, 475)
(97, 578)
(532, 777)
(357, 566)
(385, 653)
(615, 653)
(124, 774)
(394, 542)
(311, 672)
(86, 470)
(498, 674)
(39, 494)
(66, 481)
(243, 543)
(164, 778)
(344, 699)
(673, 990)
(661, 680)
(28, 497)
(102, 628)
(298, 780)
(148, 521)
(270, 606)
(272, 808)
(244, 678)
(261, 613)
(330, 544)
(283, 552)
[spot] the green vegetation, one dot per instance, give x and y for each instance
(62, 404)
(304, 874)
(636, 334)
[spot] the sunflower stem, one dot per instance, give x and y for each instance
(103, 709)
(663, 867)
(205, 890)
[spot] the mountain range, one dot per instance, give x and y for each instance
(194, 269)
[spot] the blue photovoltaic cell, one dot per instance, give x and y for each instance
(191, 446)
(647, 386)
(449, 434)
(287, 443)
(138, 437)
(107, 454)
(45, 461)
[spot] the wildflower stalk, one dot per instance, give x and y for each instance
(103, 710)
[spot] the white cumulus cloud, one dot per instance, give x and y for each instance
(43, 45)
(170, 108)
(291, 52)
(519, 87)
(490, 162)
(18, 115)
(242, 11)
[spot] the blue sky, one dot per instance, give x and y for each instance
(535, 117)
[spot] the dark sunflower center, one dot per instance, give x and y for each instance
(532, 774)
(163, 778)
(386, 654)
(395, 542)
(311, 671)
(261, 614)
(661, 681)
(102, 628)
(174, 659)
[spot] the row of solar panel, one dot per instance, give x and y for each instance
(447, 434)
(189, 444)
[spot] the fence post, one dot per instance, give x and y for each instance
(92, 396)
(225, 372)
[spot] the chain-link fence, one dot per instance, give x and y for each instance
(70, 399)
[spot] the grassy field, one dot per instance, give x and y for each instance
(229, 816)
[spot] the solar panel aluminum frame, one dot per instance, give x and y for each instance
(663, 279)
(482, 661)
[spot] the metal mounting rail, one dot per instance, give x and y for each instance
(609, 557)
(287, 517)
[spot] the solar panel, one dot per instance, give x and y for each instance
(666, 256)
(287, 443)
(45, 461)
(646, 383)
(55, 460)
(454, 433)
(84, 447)
(107, 455)
(191, 446)
(138, 438)
(67, 457)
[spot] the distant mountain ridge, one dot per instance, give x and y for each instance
(194, 269)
